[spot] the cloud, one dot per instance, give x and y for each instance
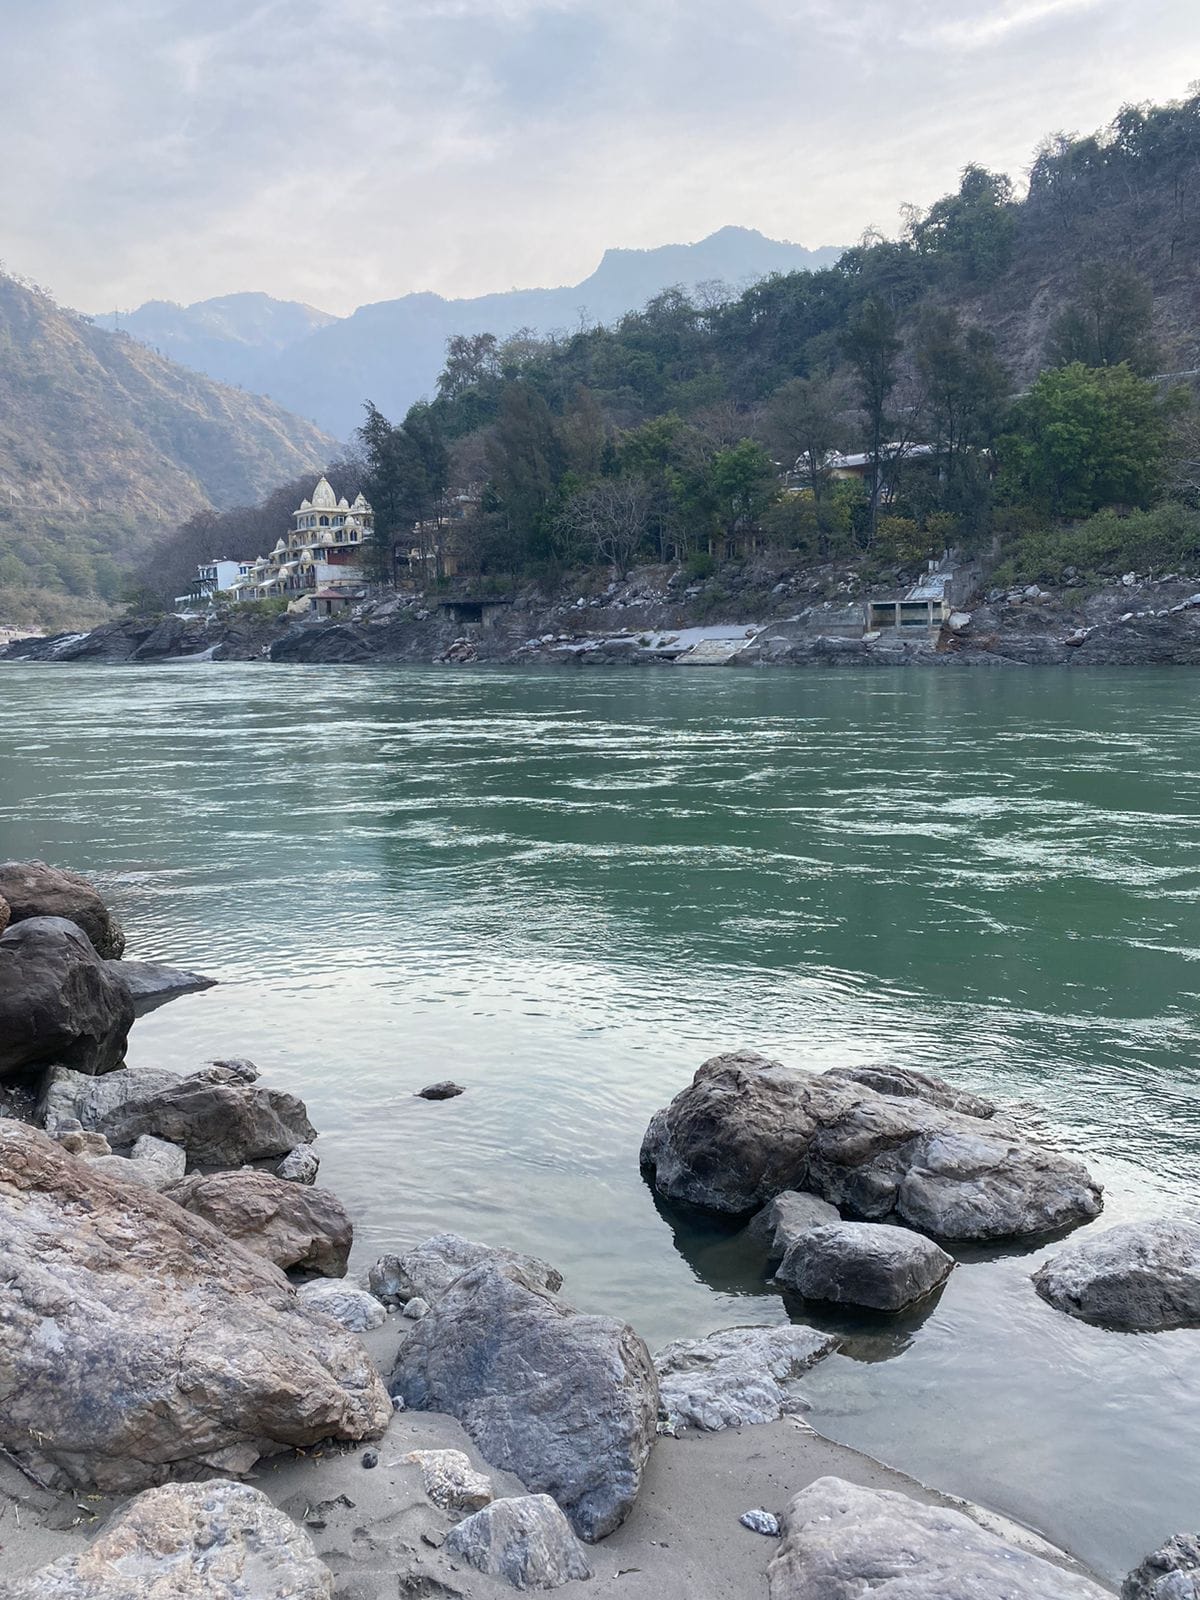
(346, 150)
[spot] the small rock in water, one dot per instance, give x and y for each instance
(416, 1308)
(440, 1091)
(300, 1165)
(759, 1521)
(370, 1458)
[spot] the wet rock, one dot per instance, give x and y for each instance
(152, 1162)
(428, 1270)
(1171, 1572)
(137, 1342)
(152, 984)
(288, 1223)
(735, 1377)
(747, 1128)
(760, 1521)
(189, 1541)
(58, 1000)
(354, 1308)
(566, 1401)
(73, 1100)
(784, 1220)
(300, 1165)
(841, 1541)
(525, 1540)
(450, 1480)
(33, 889)
(440, 1091)
(908, 1083)
(1139, 1276)
(864, 1264)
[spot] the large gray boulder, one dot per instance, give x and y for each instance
(747, 1128)
(567, 1401)
(1172, 1572)
(1140, 1276)
(76, 1099)
(138, 1343)
(427, 1270)
(907, 1083)
(58, 1000)
(189, 1541)
(33, 889)
(842, 1541)
(735, 1377)
(525, 1540)
(346, 1303)
(219, 1115)
(864, 1264)
(152, 983)
(289, 1223)
(787, 1218)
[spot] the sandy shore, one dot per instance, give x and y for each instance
(381, 1537)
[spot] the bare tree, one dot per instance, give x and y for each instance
(610, 520)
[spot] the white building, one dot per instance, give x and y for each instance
(213, 577)
(318, 564)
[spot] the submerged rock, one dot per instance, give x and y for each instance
(58, 1000)
(34, 889)
(151, 983)
(440, 1091)
(136, 1342)
(1139, 1276)
(525, 1540)
(189, 1541)
(288, 1223)
(1172, 1572)
(841, 1541)
(566, 1401)
(427, 1270)
(864, 1264)
(747, 1128)
(450, 1480)
(787, 1218)
(353, 1307)
(735, 1377)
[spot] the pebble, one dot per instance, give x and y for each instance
(416, 1308)
(759, 1521)
(370, 1458)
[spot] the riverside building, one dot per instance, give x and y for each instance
(317, 565)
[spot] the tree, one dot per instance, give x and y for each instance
(965, 387)
(470, 359)
(1086, 437)
(872, 347)
(526, 462)
(609, 519)
(742, 482)
(406, 473)
(1108, 323)
(972, 230)
(803, 423)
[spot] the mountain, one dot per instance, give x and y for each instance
(391, 352)
(228, 338)
(104, 444)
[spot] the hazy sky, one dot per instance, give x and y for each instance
(339, 151)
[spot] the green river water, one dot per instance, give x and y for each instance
(567, 890)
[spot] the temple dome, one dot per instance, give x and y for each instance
(343, 504)
(323, 498)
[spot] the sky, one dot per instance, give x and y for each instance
(345, 151)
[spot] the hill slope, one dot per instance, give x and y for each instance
(391, 352)
(104, 443)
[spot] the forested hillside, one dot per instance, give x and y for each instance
(104, 446)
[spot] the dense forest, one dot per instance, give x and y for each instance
(1016, 370)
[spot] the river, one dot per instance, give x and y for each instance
(567, 890)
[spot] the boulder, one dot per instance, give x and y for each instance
(841, 1541)
(526, 1541)
(785, 1219)
(138, 1343)
(1139, 1276)
(451, 1482)
(288, 1223)
(864, 1264)
(735, 1377)
(354, 1308)
(72, 1100)
(747, 1128)
(427, 1271)
(300, 1165)
(440, 1091)
(152, 984)
(1171, 1572)
(152, 1161)
(189, 1541)
(58, 1001)
(5, 913)
(33, 889)
(907, 1083)
(566, 1401)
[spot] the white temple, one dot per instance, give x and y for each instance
(318, 564)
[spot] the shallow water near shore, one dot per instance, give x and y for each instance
(566, 890)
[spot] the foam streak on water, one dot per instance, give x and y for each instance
(567, 890)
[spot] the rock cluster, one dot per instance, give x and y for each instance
(33, 889)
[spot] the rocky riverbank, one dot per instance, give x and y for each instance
(752, 615)
(198, 1400)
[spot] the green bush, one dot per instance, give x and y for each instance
(1162, 539)
(699, 565)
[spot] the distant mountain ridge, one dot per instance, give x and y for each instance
(391, 352)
